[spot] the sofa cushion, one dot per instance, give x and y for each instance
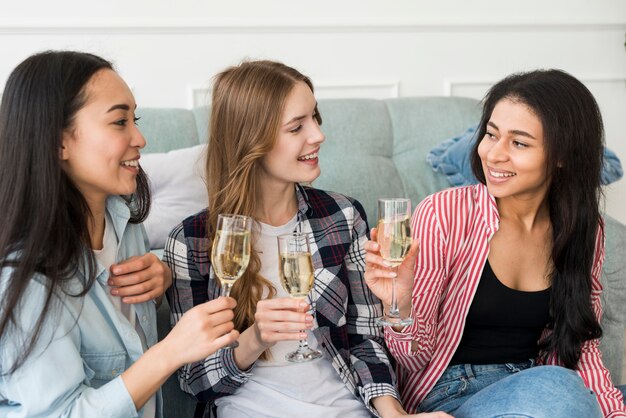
(178, 189)
(167, 129)
(357, 157)
(613, 306)
(452, 158)
(418, 124)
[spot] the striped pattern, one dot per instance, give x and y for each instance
(454, 228)
(345, 308)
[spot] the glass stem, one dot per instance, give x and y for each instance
(393, 308)
(304, 345)
(226, 292)
(226, 289)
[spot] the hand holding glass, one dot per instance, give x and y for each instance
(394, 239)
(230, 254)
(296, 275)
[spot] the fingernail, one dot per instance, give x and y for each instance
(393, 274)
(303, 304)
(114, 292)
(309, 318)
(110, 282)
(116, 270)
(387, 263)
(302, 336)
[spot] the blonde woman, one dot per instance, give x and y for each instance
(263, 144)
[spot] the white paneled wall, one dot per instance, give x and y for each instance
(350, 48)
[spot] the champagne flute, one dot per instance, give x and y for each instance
(394, 239)
(230, 254)
(296, 275)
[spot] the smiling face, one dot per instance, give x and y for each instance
(294, 157)
(512, 153)
(101, 149)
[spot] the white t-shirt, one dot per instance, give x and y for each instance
(106, 256)
(278, 388)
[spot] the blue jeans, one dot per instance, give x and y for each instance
(512, 391)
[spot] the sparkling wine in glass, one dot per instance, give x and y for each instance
(394, 239)
(296, 275)
(230, 254)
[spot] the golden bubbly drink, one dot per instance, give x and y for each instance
(230, 255)
(394, 238)
(296, 273)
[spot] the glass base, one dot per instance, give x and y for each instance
(393, 321)
(302, 356)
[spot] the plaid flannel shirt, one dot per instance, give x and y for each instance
(345, 308)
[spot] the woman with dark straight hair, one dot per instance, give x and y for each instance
(507, 274)
(77, 282)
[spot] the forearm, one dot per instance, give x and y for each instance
(388, 406)
(148, 374)
(249, 349)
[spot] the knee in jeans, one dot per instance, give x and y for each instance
(542, 391)
(561, 379)
(557, 373)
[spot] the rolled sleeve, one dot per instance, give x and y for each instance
(374, 390)
(115, 389)
(54, 381)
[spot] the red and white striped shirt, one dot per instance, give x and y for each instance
(454, 228)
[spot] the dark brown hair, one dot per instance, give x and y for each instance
(573, 140)
(44, 216)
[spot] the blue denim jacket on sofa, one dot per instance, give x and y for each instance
(85, 343)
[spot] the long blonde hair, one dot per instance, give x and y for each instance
(247, 105)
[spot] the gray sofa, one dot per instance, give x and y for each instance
(378, 148)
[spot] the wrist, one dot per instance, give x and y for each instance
(165, 355)
(249, 349)
(257, 342)
(387, 406)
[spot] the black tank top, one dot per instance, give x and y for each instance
(503, 324)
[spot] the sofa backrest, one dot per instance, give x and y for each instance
(373, 149)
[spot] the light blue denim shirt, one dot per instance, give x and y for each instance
(85, 344)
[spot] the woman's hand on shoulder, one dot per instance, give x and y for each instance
(281, 319)
(379, 275)
(140, 278)
(202, 330)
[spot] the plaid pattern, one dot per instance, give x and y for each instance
(345, 308)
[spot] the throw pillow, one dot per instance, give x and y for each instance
(178, 189)
(452, 158)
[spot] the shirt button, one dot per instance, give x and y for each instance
(114, 372)
(143, 318)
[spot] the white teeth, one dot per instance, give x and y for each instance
(501, 175)
(308, 156)
(131, 163)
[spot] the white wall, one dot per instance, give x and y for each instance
(356, 48)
